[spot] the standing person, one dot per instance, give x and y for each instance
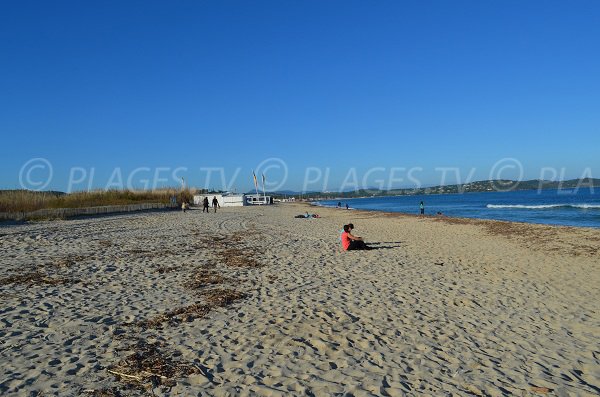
(205, 205)
(215, 203)
(347, 206)
(339, 204)
(422, 208)
(183, 206)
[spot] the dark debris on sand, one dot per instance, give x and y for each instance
(235, 257)
(151, 365)
(33, 278)
(214, 298)
(204, 278)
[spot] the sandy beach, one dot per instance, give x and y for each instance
(251, 301)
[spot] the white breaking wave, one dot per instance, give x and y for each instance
(543, 206)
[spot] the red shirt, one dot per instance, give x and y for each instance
(345, 241)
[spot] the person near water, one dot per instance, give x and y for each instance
(215, 203)
(339, 204)
(422, 208)
(205, 204)
(351, 242)
(347, 206)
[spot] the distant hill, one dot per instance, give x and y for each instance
(477, 186)
(53, 192)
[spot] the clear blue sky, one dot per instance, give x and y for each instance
(335, 84)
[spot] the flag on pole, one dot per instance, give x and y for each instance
(264, 194)
(255, 182)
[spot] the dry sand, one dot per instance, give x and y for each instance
(251, 301)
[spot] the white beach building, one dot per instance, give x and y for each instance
(258, 199)
(224, 199)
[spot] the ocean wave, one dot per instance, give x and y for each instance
(543, 206)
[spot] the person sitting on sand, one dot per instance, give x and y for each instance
(307, 216)
(350, 242)
(351, 225)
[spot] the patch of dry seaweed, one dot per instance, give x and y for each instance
(222, 297)
(166, 269)
(105, 392)
(205, 278)
(151, 366)
(538, 237)
(137, 251)
(221, 242)
(231, 250)
(549, 238)
(33, 278)
(68, 261)
(454, 221)
(158, 252)
(176, 316)
(213, 298)
(235, 257)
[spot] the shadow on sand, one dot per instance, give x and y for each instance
(378, 246)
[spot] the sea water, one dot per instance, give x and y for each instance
(573, 207)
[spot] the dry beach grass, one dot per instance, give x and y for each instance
(26, 200)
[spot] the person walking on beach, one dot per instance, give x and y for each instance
(422, 208)
(205, 205)
(215, 204)
(350, 242)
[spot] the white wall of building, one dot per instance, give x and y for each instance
(227, 200)
(233, 200)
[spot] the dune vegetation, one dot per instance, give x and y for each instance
(27, 200)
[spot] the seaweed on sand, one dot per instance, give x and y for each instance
(33, 278)
(213, 298)
(151, 366)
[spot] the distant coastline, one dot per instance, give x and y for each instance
(490, 186)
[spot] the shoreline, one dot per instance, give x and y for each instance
(450, 218)
(465, 192)
(393, 213)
